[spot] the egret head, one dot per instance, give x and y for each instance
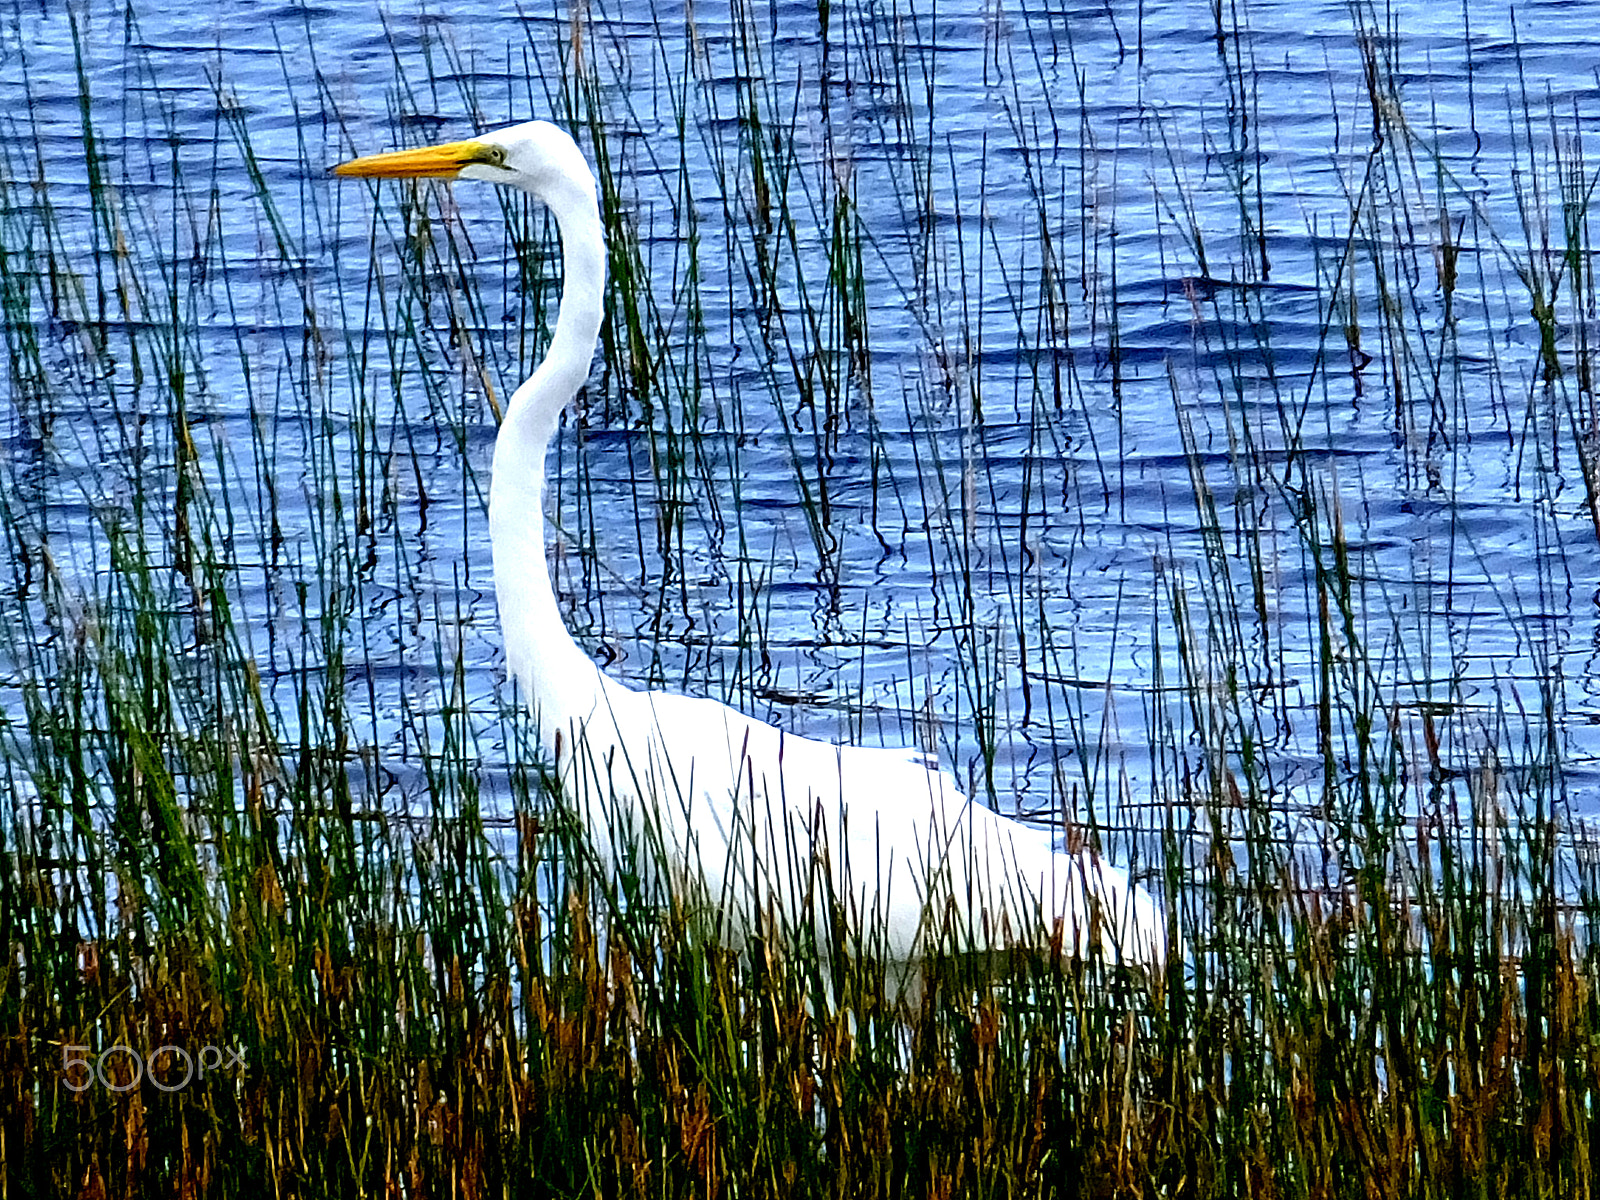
(536, 156)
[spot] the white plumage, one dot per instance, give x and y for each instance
(750, 821)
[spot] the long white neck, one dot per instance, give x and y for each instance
(553, 675)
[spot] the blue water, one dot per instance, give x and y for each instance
(1195, 195)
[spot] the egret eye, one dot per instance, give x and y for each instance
(497, 156)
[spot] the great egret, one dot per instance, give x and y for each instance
(757, 824)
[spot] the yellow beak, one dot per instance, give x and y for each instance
(429, 162)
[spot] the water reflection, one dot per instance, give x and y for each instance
(997, 383)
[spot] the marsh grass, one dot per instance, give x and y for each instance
(227, 825)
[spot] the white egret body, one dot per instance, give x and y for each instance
(758, 824)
